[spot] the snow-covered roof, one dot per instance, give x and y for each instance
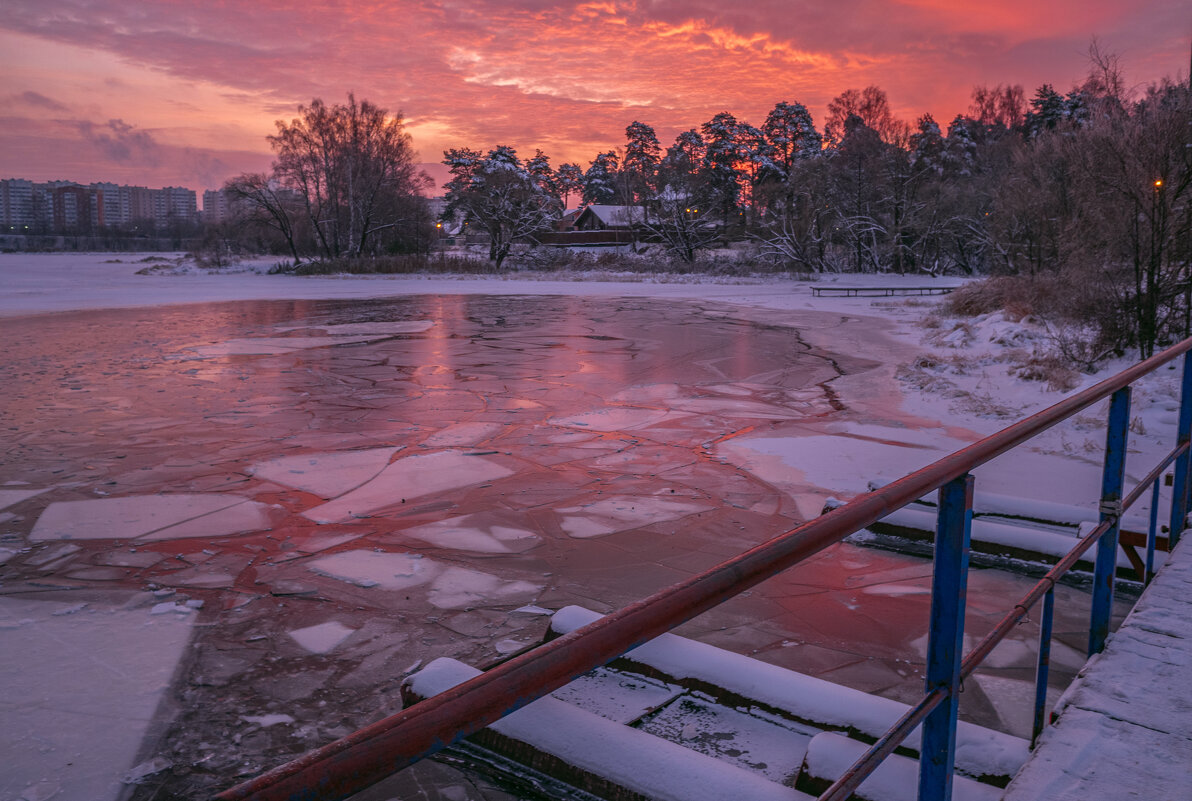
(616, 216)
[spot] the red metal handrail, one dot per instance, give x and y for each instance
(348, 765)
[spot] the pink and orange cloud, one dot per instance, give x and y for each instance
(165, 92)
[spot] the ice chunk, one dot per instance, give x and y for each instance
(145, 769)
(80, 693)
(469, 533)
(458, 587)
(8, 497)
(616, 418)
(268, 346)
(389, 571)
(462, 434)
(325, 474)
(266, 721)
(622, 513)
(411, 477)
(321, 638)
(150, 517)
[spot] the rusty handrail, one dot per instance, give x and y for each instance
(352, 763)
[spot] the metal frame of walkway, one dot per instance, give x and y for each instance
(346, 766)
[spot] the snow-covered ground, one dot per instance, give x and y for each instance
(918, 385)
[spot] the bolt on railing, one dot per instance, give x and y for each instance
(346, 766)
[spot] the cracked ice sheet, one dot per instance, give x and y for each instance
(473, 533)
(271, 346)
(80, 692)
(151, 517)
(621, 513)
(411, 477)
(325, 474)
(450, 587)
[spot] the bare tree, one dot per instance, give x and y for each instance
(265, 203)
(347, 163)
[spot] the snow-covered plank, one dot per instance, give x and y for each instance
(980, 751)
(896, 779)
(556, 736)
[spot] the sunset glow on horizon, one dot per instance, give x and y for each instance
(162, 93)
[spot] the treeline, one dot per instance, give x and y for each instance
(1082, 195)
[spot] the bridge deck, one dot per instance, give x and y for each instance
(1124, 727)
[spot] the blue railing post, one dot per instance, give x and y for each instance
(1152, 533)
(1112, 479)
(946, 639)
(1179, 492)
(1043, 668)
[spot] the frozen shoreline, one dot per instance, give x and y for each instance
(930, 391)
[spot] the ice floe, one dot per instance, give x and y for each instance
(272, 346)
(449, 587)
(151, 517)
(472, 533)
(616, 418)
(389, 571)
(462, 435)
(325, 474)
(81, 686)
(321, 638)
(9, 497)
(411, 477)
(621, 513)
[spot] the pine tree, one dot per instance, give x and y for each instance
(791, 133)
(960, 148)
(639, 170)
(569, 180)
(541, 173)
(600, 184)
(927, 146)
(1047, 111)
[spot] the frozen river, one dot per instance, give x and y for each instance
(293, 504)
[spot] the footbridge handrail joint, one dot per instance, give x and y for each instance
(352, 763)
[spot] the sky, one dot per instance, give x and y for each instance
(164, 92)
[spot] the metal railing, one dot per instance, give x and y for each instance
(346, 766)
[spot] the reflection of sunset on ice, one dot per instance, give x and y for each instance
(325, 496)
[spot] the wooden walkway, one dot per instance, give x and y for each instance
(1124, 727)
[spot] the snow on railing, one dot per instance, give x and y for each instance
(346, 766)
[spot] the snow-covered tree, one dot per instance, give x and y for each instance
(600, 181)
(639, 168)
(927, 146)
(728, 157)
(960, 148)
(541, 173)
(791, 134)
(1047, 111)
(499, 194)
